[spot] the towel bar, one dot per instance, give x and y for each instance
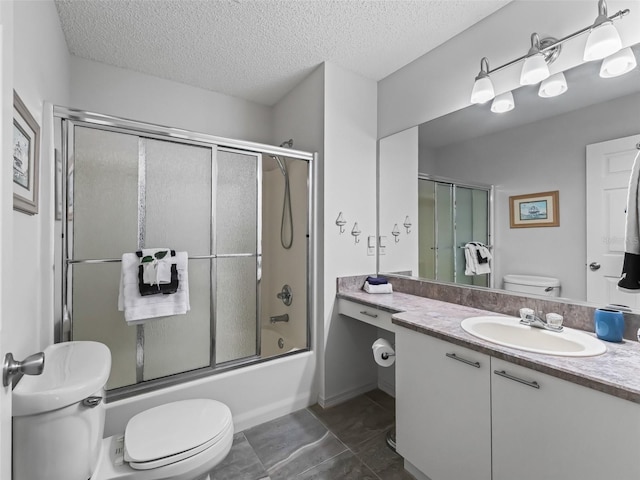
(194, 257)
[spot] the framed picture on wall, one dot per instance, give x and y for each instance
(26, 158)
(535, 210)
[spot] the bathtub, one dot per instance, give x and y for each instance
(274, 342)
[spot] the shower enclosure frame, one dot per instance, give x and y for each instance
(490, 189)
(71, 118)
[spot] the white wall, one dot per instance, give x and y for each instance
(541, 156)
(440, 82)
(349, 179)
(102, 88)
(41, 74)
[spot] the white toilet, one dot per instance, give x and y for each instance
(59, 418)
(532, 285)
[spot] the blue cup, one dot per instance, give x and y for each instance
(609, 324)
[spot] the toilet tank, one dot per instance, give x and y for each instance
(532, 285)
(56, 434)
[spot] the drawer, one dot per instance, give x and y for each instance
(364, 313)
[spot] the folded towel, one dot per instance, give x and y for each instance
(156, 265)
(138, 308)
(384, 288)
(377, 280)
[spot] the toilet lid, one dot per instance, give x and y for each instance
(180, 429)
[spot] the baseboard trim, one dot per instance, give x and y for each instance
(409, 467)
(333, 400)
(387, 387)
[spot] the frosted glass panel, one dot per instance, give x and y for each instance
(182, 342)
(444, 232)
(464, 231)
(105, 207)
(237, 207)
(236, 303)
(178, 197)
(178, 216)
(96, 317)
(426, 228)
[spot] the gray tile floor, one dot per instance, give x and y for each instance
(345, 442)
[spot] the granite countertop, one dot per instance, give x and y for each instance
(615, 372)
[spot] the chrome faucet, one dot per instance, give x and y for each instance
(538, 321)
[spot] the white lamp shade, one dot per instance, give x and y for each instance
(602, 41)
(503, 103)
(534, 70)
(553, 86)
(482, 90)
(618, 64)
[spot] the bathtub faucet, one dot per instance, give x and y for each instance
(279, 318)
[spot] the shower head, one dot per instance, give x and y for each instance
(288, 143)
(281, 164)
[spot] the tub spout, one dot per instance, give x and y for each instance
(279, 318)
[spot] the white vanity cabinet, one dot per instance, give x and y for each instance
(443, 411)
(463, 415)
(547, 428)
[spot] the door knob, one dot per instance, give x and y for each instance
(594, 266)
(32, 365)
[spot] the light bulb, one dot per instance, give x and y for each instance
(603, 40)
(503, 103)
(553, 86)
(618, 64)
(482, 90)
(534, 70)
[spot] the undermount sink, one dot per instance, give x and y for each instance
(508, 331)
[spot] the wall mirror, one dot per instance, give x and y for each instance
(542, 145)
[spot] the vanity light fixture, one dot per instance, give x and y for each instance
(503, 103)
(534, 68)
(618, 64)
(553, 86)
(483, 87)
(603, 39)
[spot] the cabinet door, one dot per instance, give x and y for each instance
(443, 423)
(557, 430)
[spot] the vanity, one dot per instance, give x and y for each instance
(467, 408)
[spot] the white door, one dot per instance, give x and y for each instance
(608, 170)
(6, 225)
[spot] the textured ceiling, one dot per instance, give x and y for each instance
(261, 49)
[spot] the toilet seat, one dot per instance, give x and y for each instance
(174, 431)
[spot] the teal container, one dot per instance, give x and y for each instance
(609, 324)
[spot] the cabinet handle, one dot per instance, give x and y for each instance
(463, 360)
(372, 315)
(504, 374)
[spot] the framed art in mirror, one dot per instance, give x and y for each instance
(26, 158)
(534, 210)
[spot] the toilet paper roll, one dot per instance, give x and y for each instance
(383, 353)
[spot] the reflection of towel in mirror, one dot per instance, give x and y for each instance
(630, 280)
(478, 259)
